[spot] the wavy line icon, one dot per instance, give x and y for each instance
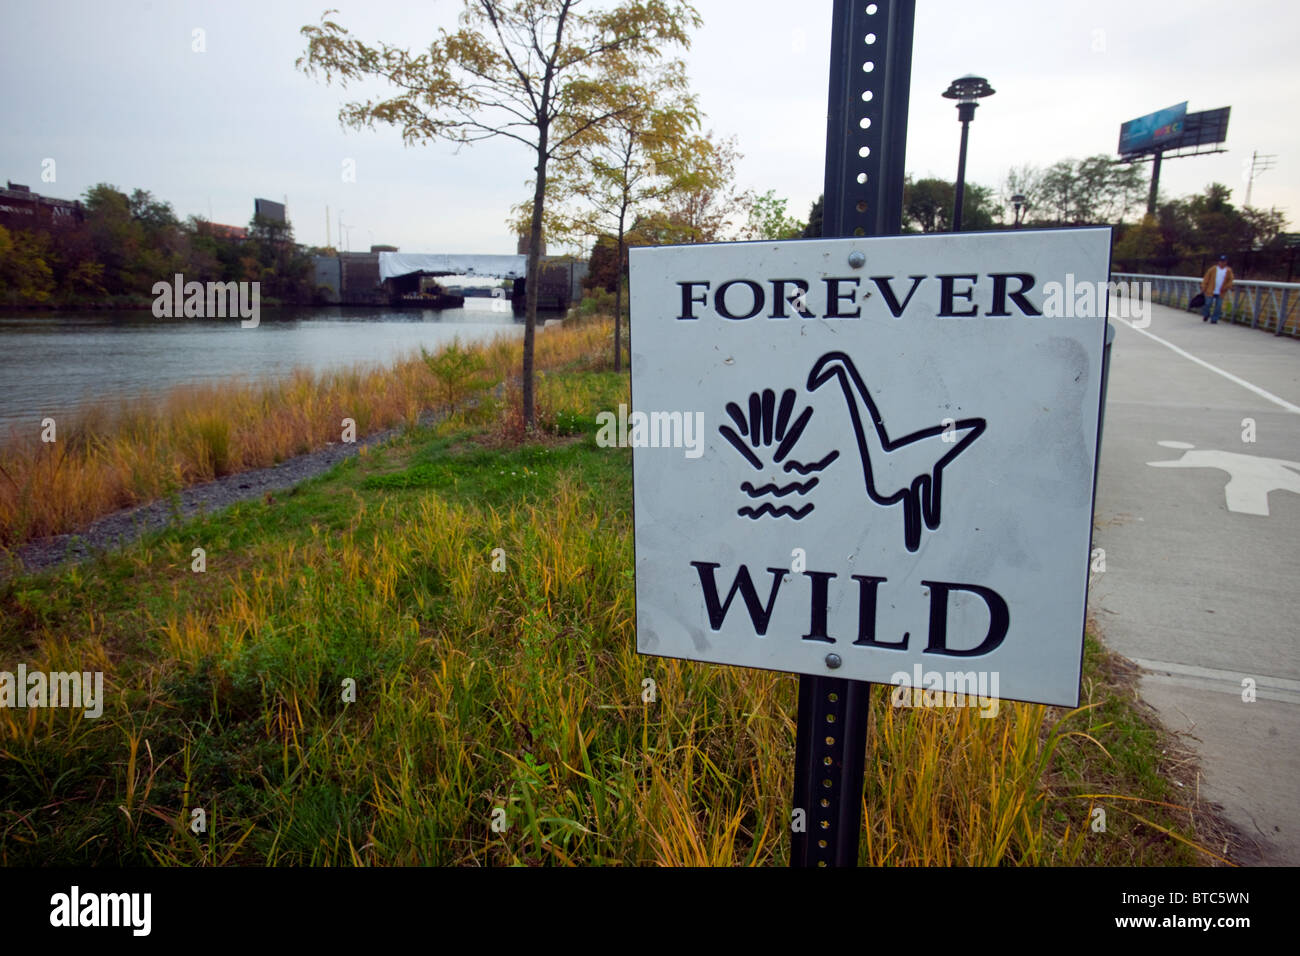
(766, 508)
(803, 469)
(780, 490)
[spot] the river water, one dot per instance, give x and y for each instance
(53, 363)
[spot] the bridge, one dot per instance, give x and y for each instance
(385, 278)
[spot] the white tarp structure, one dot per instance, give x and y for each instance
(393, 264)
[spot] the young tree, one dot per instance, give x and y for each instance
(604, 271)
(1263, 227)
(703, 211)
(768, 220)
(642, 155)
(521, 69)
(1129, 191)
(1216, 224)
(154, 213)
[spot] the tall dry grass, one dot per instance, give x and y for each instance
(482, 694)
(518, 693)
(115, 456)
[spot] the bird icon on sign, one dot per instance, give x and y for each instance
(907, 470)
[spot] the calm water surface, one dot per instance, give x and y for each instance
(57, 362)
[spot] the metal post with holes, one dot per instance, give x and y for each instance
(866, 137)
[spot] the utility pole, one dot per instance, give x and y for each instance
(1258, 164)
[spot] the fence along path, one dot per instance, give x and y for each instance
(1271, 306)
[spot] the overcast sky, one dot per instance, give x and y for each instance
(113, 91)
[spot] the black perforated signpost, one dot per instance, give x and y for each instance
(866, 138)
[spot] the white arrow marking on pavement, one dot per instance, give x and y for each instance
(1250, 477)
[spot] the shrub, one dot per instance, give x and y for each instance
(459, 373)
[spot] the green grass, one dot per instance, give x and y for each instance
(480, 691)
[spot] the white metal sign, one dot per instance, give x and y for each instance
(870, 458)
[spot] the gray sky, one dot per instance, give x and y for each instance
(113, 92)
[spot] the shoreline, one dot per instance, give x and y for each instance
(127, 525)
(124, 527)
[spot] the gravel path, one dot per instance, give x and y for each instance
(123, 527)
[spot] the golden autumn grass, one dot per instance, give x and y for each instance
(112, 457)
(513, 695)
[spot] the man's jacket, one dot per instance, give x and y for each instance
(1207, 284)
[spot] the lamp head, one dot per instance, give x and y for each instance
(968, 89)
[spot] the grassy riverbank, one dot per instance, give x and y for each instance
(478, 690)
(118, 455)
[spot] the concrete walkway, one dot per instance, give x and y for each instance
(1198, 510)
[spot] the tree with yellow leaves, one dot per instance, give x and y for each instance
(536, 71)
(640, 157)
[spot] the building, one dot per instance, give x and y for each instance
(20, 208)
(359, 279)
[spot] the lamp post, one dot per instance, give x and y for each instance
(1018, 200)
(966, 90)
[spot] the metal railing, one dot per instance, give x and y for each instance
(1271, 306)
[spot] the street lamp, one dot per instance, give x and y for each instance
(965, 90)
(1019, 201)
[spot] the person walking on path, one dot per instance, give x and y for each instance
(1215, 285)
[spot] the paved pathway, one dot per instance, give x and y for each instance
(1198, 510)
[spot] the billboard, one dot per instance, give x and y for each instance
(267, 209)
(1154, 130)
(1205, 128)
